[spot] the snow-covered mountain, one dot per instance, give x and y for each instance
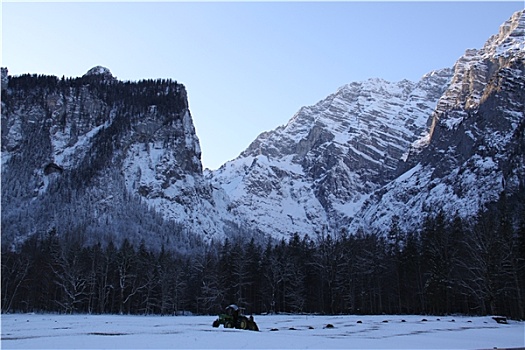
(102, 157)
(95, 158)
(475, 147)
(454, 138)
(314, 173)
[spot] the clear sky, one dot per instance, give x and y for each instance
(248, 67)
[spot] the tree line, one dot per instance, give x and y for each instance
(449, 267)
(167, 95)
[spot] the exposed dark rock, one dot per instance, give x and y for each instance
(52, 168)
(4, 80)
(500, 320)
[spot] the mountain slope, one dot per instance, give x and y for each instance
(101, 158)
(376, 150)
(475, 148)
(314, 173)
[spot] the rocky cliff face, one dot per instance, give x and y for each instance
(474, 150)
(314, 173)
(376, 150)
(102, 157)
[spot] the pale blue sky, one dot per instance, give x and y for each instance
(248, 67)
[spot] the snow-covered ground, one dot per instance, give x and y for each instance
(42, 331)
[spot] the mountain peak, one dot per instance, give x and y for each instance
(511, 36)
(100, 71)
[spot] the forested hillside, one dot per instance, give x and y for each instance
(447, 268)
(87, 156)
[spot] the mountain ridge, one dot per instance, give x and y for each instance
(111, 160)
(332, 154)
(332, 201)
(465, 163)
(124, 149)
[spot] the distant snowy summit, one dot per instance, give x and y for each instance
(100, 71)
(509, 40)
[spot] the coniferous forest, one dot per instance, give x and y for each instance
(449, 267)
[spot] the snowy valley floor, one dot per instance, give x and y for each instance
(41, 331)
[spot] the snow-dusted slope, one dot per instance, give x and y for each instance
(169, 179)
(474, 149)
(102, 157)
(315, 172)
(375, 149)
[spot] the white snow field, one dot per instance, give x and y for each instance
(44, 331)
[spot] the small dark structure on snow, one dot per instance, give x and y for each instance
(235, 318)
(500, 319)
